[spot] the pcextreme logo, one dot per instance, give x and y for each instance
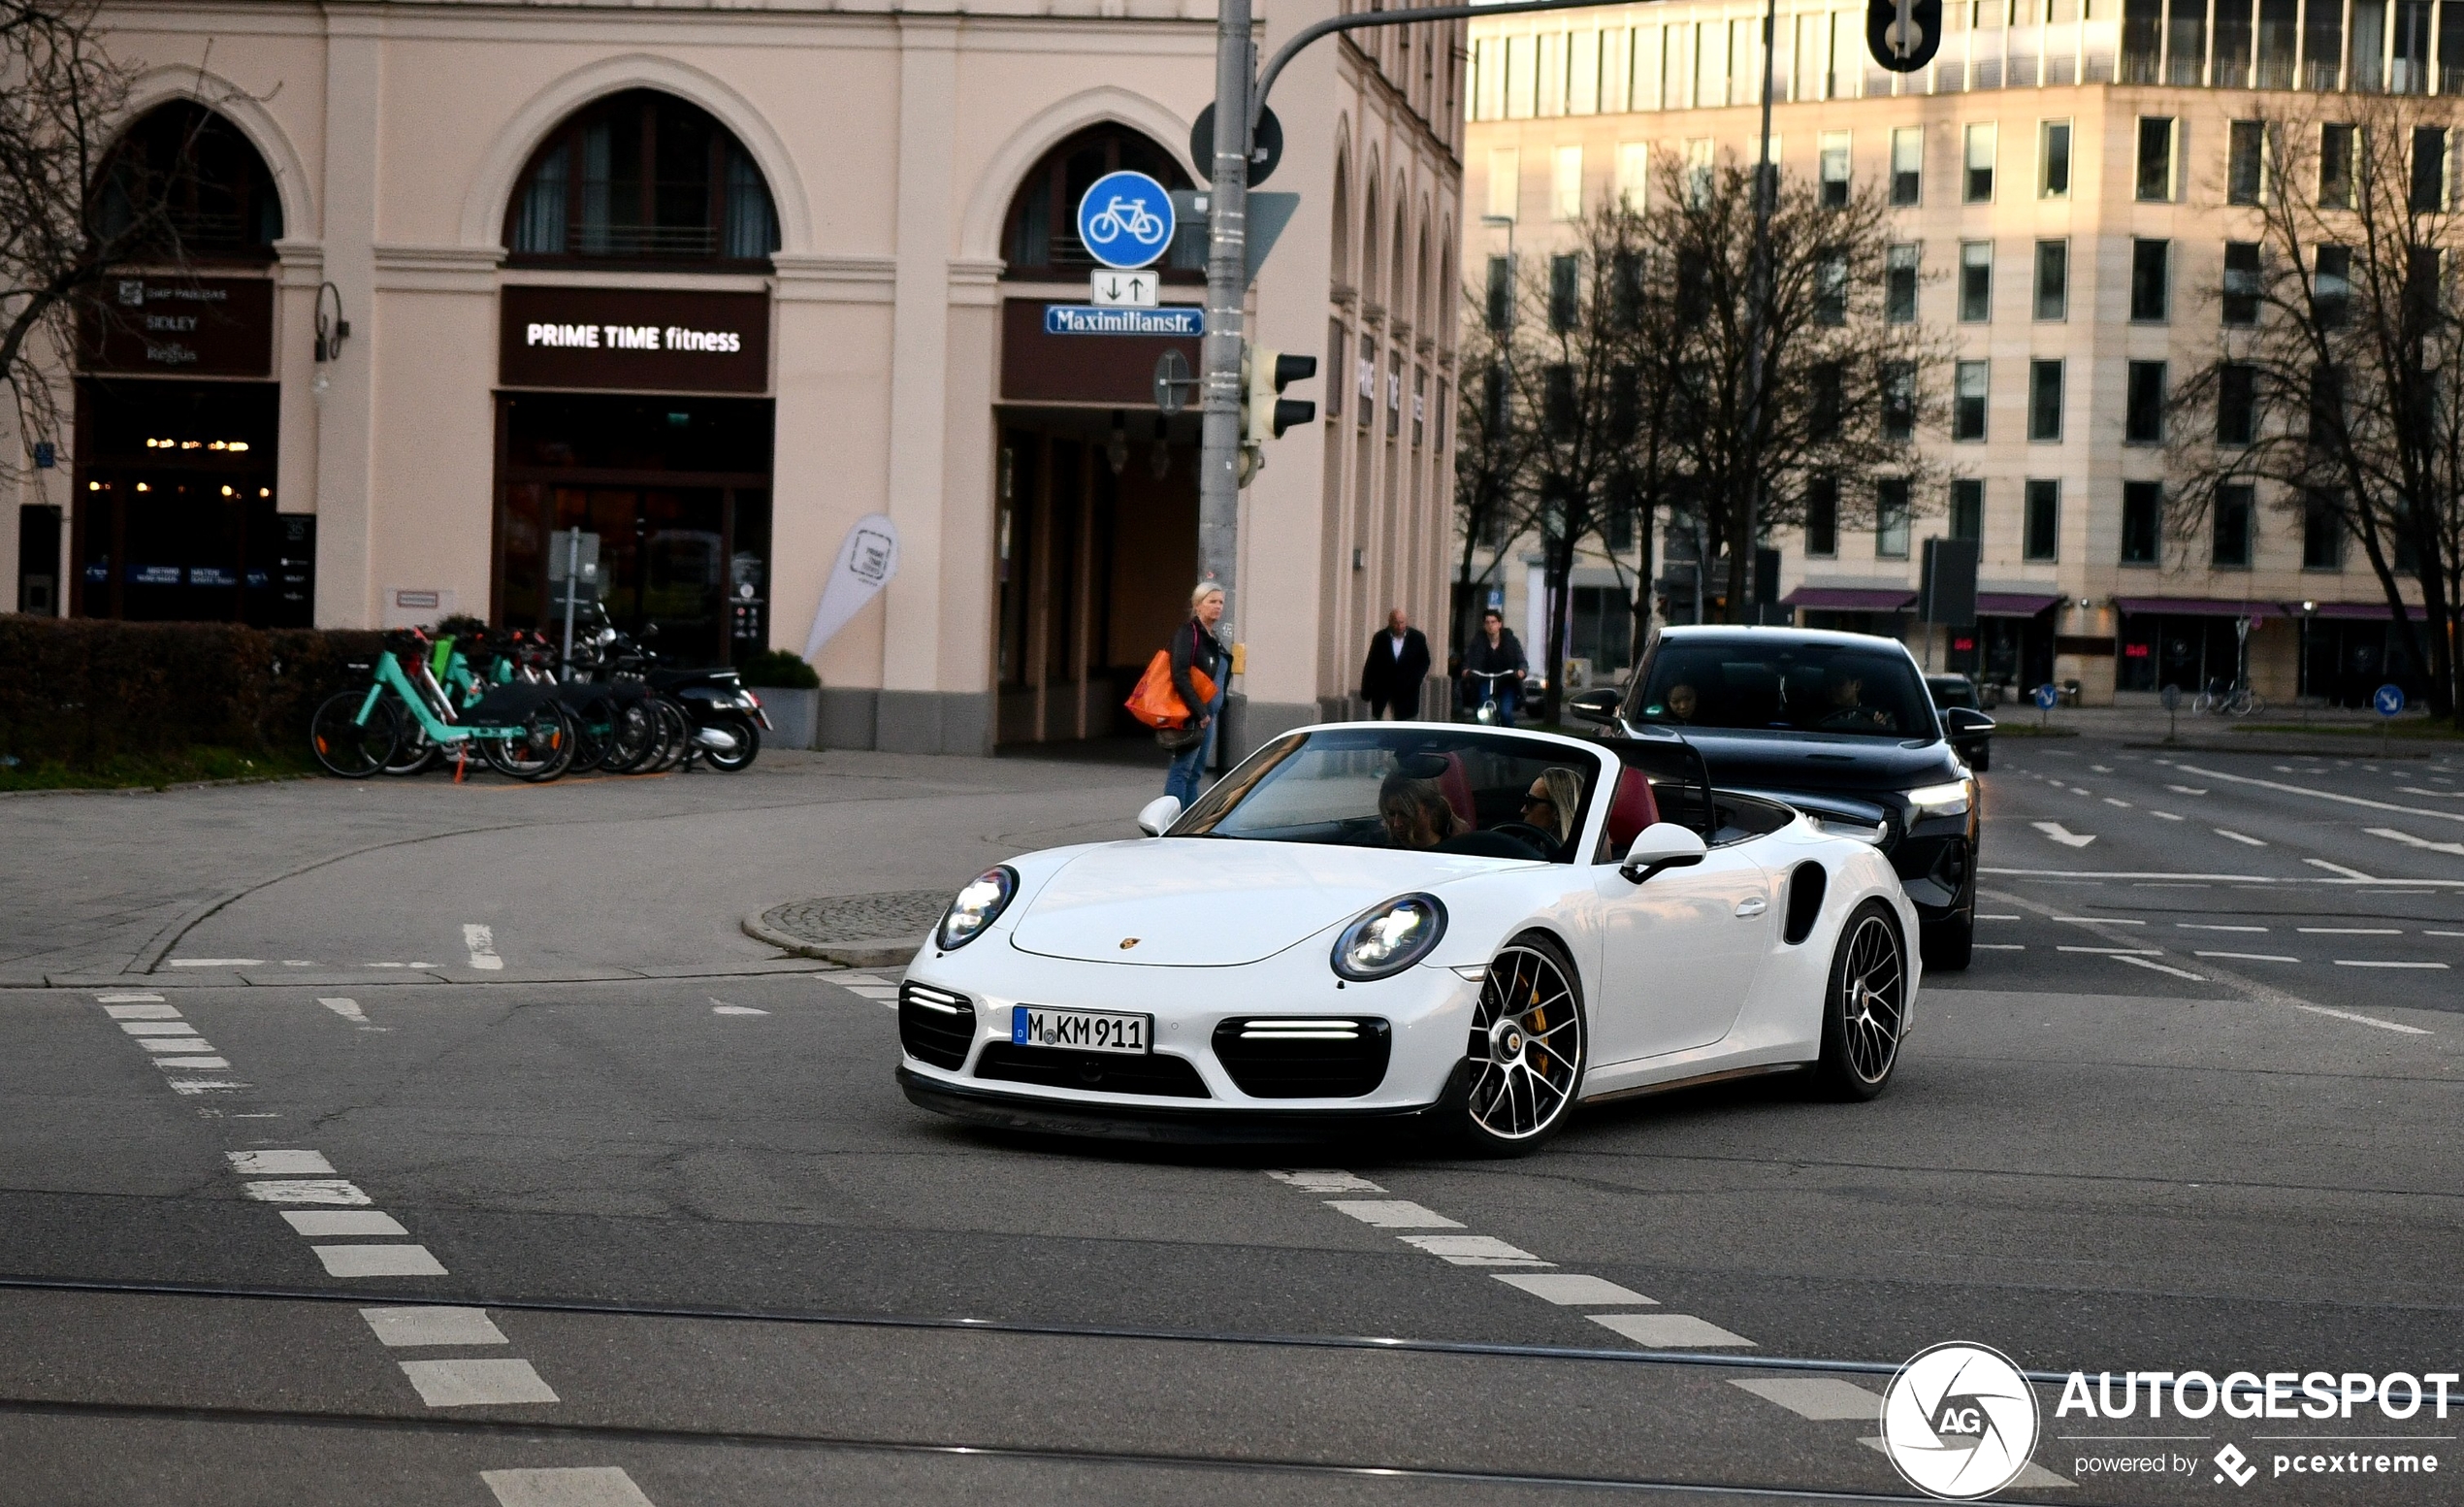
(1959, 1421)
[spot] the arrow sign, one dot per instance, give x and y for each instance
(2063, 835)
(1124, 289)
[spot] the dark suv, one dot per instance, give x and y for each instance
(1841, 726)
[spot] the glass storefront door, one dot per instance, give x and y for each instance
(176, 518)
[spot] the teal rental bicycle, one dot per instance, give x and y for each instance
(520, 730)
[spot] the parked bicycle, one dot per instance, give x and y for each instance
(2232, 699)
(520, 730)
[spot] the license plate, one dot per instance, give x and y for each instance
(1081, 1031)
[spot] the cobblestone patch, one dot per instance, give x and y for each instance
(839, 919)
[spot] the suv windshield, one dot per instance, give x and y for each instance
(1491, 795)
(1789, 685)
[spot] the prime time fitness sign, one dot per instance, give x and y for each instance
(639, 340)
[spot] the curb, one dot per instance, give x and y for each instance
(873, 953)
(2286, 750)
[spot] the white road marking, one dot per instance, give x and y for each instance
(2063, 835)
(2371, 963)
(2161, 968)
(572, 1486)
(2029, 1473)
(403, 1328)
(1571, 1289)
(1984, 917)
(203, 1085)
(464, 1383)
(158, 1027)
(129, 998)
(2124, 805)
(2096, 921)
(378, 1261)
(2185, 790)
(210, 1064)
(2152, 952)
(1473, 1251)
(299, 962)
(305, 1190)
(1669, 1330)
(2328, 795)
(1393, 1214)
(1999, 946)
(481, 942)
(2243, 837)
(2210, 926)
(2444, 794)
(1821, 1398)
(280, 1164)
(349, 1009)
(2367, 1020)
(1325, 1180)
(2442, 933)
(719, 1006)
(2248, 956)
(218, 962)
(2392, 835)
(2163, 816)
(2101, 769)
(326, 1222)
(2340, 870)
(191, 1043)
(2350, 930)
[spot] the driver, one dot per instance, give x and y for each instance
(1848, 708)
(1553, 801)
(1414, 811)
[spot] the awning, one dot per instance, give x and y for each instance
(2198, 607)
(1851, 599)
(2355, 611)
(2013, 603)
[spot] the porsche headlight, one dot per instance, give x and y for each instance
(977, 906)
(1951, 799)
(1390, 938)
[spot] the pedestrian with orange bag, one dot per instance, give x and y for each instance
(1196, 652)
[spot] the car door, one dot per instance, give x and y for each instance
(1679, 953)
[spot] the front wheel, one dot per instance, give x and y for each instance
(747, 746)
(349, 744)
(1527, 1049)
(1865, 1005)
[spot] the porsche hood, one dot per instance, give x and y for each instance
(1213, 903)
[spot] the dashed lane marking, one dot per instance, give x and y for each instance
(349, 1009)
(2163, 816)
(2124, 805)
(583, 1486)
(280, 1164)
(190, 1042)
(108, 1000)
(1999, 946)
(2030, 1474)
(305, 1190)
(158, 1027)
(2326, 795)
(218, 962)
(466, 1384)
(720, 1006)
(1987, 917)
(2215, 925)
(405, 1329)
(2109, 952)
(1326, 1180)
(2396, 835)
(2249, 957)
(481, 944)
(1572, 1288)
(327, 1223)
(378, 1261)
(1473, 1251)
(2367, 1020)
(2237, 837)
(1392, 1214)
(2378, 962)
(2161, 967)
(1670, 1331)
(2350, 930)
(2339, 869)
(2095, 920)
(1821, 1398)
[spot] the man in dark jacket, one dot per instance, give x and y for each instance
(1398, 662)
(1495, 653)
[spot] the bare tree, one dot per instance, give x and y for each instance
(1844, 385)
(1492, 449)
(2333, 393)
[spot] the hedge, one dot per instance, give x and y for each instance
(84, 692)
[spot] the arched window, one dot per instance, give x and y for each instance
(1399, 282)
(1343, 218)
(1041, 237)
(641, 176)
(1369, 235)
(184, 183)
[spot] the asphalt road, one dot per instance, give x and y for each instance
(302, 1200)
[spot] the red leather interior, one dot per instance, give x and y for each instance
(1632, 810)
(1456, 786)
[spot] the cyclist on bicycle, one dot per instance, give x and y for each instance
(1494, 658)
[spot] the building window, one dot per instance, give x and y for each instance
(2429, 168)
(1822, 517)
(1976, 281)
(183, 183)
(1967, 406)
(1899, 401)
(2053, 152)
(1828, 400)
(1967, 510)
(2142, 521)
(1900, 283)
(2143, 404)
(1419, 403)
(1830, 291)
(2331, 291)
(2044, 402)
(2236, 405)
(1890, 520)
(2323, 534)
(644, 177)
(1634, 174)
(1394, 395)
(1506, 181)
(1565, 292)
(2148, 281)
(1338, 341)
(1558, 408)
(1835, 167)
(2043, 523)
(1500, 302)
(2155, 175)
(2231, 549)
(1566, 184)
(1977, 180)
(2326, 403)
(2246, 162)
(2053, 279)
(1907, 165)
(1365, 383)
(1699, 159)
(2335, 167)
(2240, 283)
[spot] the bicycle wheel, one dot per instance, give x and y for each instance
(594, 727)
(541, 751)
(416, 753)
(633, 736)
(347, 744)
(675, 735)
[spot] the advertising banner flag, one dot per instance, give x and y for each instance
(867, 558)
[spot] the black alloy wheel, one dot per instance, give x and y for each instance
(1865, 1006)
(1526, 1050)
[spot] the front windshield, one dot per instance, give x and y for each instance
(1791, 685)
(1483, 794)
(1952, 691)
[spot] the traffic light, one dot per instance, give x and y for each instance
(1903, 35)
(1264, 374)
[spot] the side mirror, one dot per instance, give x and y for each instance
(1662, 845)
(1965, 722)
(1158, 814)
(1596, 706)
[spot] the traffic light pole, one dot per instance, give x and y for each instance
(1227, 290)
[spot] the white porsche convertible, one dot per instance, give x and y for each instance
(1465, 928)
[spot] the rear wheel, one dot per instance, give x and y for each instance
(1526, 1050)
(675, 735)
(633, 736)
(349, 744)
(540, 750)
(1864, 1008)
(747, 746)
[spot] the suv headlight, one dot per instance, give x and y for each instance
(976, 907)
(1389, 938)
(1951, 799)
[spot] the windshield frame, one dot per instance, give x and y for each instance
(1237, 783)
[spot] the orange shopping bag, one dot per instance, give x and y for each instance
(1156, 702)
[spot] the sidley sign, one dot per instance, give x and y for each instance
(174, 326)
(641, 339)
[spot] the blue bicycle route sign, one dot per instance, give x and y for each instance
(1125, 219)
(2388, 699)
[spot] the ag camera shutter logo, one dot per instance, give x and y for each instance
(1959, 1421)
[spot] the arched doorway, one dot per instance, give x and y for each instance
(1095, 494)
(175, 513)
(629, 408)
